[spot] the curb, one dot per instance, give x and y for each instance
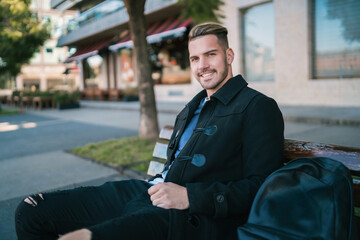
(159, 110)
(121, 170)
(299, 119)
(326, 121)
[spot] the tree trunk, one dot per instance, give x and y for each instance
(149, 128)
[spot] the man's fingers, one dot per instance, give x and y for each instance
(162, 206)
(154, 189)
(156, 195)
(162, 203)
(82, 234)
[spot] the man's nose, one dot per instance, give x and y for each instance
(203, 64)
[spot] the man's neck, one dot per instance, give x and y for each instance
(212, 91)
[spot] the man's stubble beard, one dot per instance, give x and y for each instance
(223, 77)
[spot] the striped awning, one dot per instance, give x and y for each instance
(88, 50)
(159, 31)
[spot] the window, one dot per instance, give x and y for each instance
(55, 25)
(259, 43)
(46, 5)
(36, 58)
(170, 61)
(46, 19)
(93, 71)
(336, 38)
(33, 4)
(50, 53)
(127, 71)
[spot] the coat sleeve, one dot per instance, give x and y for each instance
(261, 153)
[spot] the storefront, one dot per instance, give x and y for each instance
(167, 48)
(91, 59)
(107, 65)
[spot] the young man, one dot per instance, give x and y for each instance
(226, 141)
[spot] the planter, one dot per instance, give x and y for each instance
(62, 106)
(130, 98)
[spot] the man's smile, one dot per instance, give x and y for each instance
(206, 74)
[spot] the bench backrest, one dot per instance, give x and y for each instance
(350, 157)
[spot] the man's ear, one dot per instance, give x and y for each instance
(229, 55)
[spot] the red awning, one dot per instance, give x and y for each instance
(88, 50)
(172, 27)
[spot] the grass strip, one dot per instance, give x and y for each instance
(357, 211)
(7, 112)
(132, 152)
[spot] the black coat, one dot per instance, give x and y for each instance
(246, 147)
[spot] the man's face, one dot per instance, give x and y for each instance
(210, 62)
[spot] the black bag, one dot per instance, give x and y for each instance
(309, 198)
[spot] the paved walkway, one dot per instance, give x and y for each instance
(309, 114)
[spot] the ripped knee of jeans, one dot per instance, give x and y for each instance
(29, 217)
(34, 200)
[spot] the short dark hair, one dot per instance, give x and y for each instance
(210, 28)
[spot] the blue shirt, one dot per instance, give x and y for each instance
(184, 138)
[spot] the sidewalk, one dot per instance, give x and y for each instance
(346, 116)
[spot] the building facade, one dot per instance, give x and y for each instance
(300, 52)
(46, 70)
(103, 46)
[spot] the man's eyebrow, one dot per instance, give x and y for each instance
(207, 52)
(212, 50)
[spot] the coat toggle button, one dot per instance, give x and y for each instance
(220, 198)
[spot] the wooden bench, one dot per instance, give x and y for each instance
(101, 95)
(350, 157)
(26, 101)
(39, 102)
(115, 95)
(89, 94)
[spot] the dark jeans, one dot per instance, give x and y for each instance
(115, 210)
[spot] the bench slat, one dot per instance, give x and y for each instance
(356, 193)
(350, 157)
(155, 168)
(166, 132)
(160, 150)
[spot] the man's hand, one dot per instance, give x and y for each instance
(82, 234)
(169, 195)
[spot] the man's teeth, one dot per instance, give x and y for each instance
(206, 74)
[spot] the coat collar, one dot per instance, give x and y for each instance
(224, 94)
(230, 89)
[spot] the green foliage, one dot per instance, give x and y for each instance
(131, 91)
(357, 211)
(67, 97)
(4, 112)
(130, 152)
(202, 10)
(16, 93)
(30, 93)
(21, 35)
